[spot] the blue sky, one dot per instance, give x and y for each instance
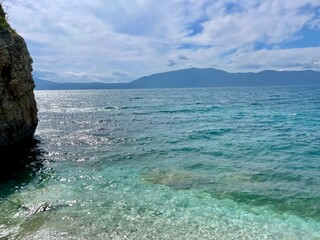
(121, 40)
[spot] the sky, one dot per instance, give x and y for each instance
(122, 40)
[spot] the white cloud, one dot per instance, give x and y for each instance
(281, 59)
(271, 21)
(141, 37)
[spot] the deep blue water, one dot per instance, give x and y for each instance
(220, 163)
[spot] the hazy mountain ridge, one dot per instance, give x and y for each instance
(198, 77)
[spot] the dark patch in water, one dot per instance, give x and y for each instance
(20, 160)
(20, 165)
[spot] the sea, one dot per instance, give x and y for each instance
(212, 163)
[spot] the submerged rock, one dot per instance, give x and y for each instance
(34, 209)
(18, 110)
(174, 178)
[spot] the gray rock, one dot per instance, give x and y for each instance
(34, 209)
(18, 109)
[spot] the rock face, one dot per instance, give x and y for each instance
(18, 109)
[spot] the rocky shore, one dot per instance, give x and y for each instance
(18, 109)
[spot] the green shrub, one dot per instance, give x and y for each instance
(4, 25)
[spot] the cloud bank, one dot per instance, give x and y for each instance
(120, 40)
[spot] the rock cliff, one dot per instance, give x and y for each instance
(18, 110)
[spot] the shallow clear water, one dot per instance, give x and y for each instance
(224, 163)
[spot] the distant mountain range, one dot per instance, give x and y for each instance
(198, 78)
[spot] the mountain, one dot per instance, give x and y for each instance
(48, 85)
(210, 77)
(199, 77)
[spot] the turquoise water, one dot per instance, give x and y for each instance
(224, 163)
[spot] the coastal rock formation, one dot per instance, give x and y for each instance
(18, 110)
